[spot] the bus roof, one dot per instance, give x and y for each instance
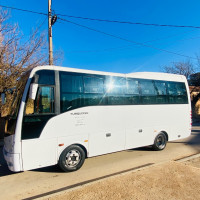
(141, 75)
(158, 76)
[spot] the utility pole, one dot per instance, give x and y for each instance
(50, 35)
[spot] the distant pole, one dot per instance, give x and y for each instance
(50, 35)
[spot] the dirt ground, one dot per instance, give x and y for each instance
(170, 181)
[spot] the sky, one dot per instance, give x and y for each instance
(86, 49)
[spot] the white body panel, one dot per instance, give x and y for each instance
(128, 126)
(38, 153)
(99, 129)
(123, 123)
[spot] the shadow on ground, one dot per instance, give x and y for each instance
(50, 169)
(194, 140)
(4, 171)
(148, 148)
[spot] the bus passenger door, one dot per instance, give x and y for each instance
(37, 152)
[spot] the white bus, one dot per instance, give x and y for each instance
(62, 115)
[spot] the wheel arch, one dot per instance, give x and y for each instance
(83, 147)
(165, 134)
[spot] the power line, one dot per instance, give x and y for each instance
(126, 46)
(106, 20)
(24, 10)
(42, 23)
(108, 34)
(129, 22)
(124, 39)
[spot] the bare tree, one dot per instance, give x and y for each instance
(185, 68)
(17, 55)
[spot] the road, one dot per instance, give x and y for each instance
(32, 183)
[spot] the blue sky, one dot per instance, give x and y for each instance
(86, 49)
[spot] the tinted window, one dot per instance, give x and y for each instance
(161, 90)
(93, 85)
(160, 87)
(93, 99)
(181, 89)
(44, 102)
(132, 99)
(70, 101)
(148, 92)
(132, 86)
(116, 99)
(87, 90)
(177, 92)
(71, 87)
(115, 85)
(71, 83)
(45, 77)
(172, 89)
(147, 87)
(182, 93)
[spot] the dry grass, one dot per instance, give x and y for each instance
(168, 181)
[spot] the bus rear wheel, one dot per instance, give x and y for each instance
(72, 158)
(160, 142)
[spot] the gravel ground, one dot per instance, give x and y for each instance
(170, 181)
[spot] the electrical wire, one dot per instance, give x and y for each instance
(24, 10)
(111, 35)
(127, 46)
(106, 20)
(129, 22)
(124, 39)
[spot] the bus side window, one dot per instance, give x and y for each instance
(132, 92)
(44, 102)
(93, 91)
(161, 90)
(181, 93)
(172, 91)
(148, 92)
(71, 90)
(115, 88)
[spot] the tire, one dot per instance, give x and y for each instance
(72, 158)
(160, 142)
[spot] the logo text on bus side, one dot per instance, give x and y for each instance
(80, 113)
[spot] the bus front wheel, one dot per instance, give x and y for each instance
(72, 158)
(160, 142)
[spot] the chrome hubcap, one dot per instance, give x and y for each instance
(73, 158)
(160, 142)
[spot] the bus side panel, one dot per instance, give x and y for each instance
(103, 127)
(38, 153)
(140, 125)
(179, 122)
(144, 122)
(108, 131)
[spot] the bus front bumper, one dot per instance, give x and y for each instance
(13, 160)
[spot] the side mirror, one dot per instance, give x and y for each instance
(3, 98)
(33, 91)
